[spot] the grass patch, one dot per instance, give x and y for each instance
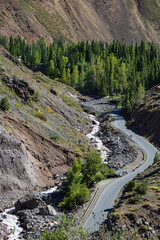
(71, 103)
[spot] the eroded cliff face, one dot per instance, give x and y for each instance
(16, 170)
(124, 20)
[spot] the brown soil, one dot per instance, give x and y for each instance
(46, 157)
(79, 20)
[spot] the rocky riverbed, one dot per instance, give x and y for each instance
(121, 151)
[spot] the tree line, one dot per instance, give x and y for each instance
(94, 68)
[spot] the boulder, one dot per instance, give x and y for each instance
(28, 201)
(53, 91)
(47, 210)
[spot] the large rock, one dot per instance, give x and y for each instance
(21, 87)
(47, 210)
(28, 201)
(53, 91)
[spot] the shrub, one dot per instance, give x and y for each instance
(147, 205)
(131, 185)
(5, 105)
(36, 97)
(135, 199)
(157, 157)
(143, 228)
(131, 216)
(142, 188)
(115, 216)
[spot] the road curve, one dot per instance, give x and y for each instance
(109, 194)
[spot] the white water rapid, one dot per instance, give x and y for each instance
(95, 141)
(12, 224)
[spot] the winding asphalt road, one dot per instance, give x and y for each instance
(109, 194)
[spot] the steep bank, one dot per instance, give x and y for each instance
(124, 20)
(144, 120)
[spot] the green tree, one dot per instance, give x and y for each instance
(92, 167)
(50, 69)
(90, 86)
(68, 76)
(63, 63)
(76, 192)
(64, 76)
(11, 46)
(75, 76)
(140, 94)
(34, 60)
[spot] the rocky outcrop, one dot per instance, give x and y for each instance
(21, 87)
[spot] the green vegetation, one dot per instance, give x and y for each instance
(135, 199)
(5, 105)
(96, 67)
(141, 188)
(76, 192)
(131, 185)
(138, 190)
(157, 157)
(92, 167)
(81, 176)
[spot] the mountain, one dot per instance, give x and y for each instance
(144, 120)
(124, 20)
(43, 130)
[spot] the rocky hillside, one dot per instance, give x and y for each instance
(43, 130)
(144, 120)
(76, 20)
(137, 214)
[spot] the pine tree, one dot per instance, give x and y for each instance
(50, 69)
(75, 76)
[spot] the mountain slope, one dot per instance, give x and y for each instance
(43, 130)
(76, 20)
